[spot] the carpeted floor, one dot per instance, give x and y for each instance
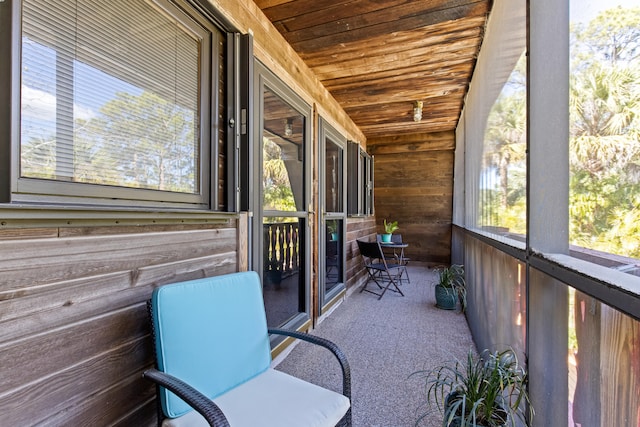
(385, 341)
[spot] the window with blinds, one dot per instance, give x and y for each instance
(116, 100)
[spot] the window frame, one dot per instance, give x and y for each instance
(265, 79)
(359, 181)
(16, 192)
(327, 134)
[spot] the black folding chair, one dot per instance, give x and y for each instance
(380, 271)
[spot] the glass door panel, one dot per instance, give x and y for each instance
(283, 283)
(332, 197)
(283, 209)
(333, 182)
(334, 264)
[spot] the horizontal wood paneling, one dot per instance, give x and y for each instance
(74, 333)
(119, 401)
(27, 233)
(414, 186)
(51, 261)
(65, 388)
(357, 229)
(68, 347)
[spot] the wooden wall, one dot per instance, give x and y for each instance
(357, 229)
(74, 335)
(414, 186)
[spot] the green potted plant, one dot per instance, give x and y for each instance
(451, 287)
(332, 229)
(489, 391)
(389, 228)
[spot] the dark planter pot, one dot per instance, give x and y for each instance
(457, 419)
(446, 299)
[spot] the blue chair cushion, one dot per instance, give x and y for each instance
(211, 333)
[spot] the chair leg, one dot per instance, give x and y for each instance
(371, 277)
(392, 281)
(406, 273)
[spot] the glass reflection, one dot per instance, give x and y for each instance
(283, 136)
(333, 177)
(283, 285)
(283, 156)
(333, 258)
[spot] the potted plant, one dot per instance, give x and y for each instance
(332, 229)
(389, 228)
(489, 390)
(451, 287)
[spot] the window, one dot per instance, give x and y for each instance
(116, 105)
(496, 132)
(604, 129)
(502, 187)
(360, 181)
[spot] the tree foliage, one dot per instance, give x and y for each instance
(137, 141)
(504, 156)
(604, 139)
(276, 185)
(605, 130)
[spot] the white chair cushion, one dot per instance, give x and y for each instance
(276, 399)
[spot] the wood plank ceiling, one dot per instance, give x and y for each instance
(378, 57)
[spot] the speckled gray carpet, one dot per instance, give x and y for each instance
(385, 341)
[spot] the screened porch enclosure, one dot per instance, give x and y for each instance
(571, 310)
(292, 130)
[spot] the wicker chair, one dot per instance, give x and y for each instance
(213, 361)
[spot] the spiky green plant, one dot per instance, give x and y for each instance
(489, 390)
(452, 280)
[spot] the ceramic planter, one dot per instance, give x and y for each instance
(446, 298)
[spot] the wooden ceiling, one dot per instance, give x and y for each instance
(377, 57)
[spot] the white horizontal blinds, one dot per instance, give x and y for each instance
(122, 93)
(44, 151)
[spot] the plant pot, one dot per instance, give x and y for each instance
(500, 419)
(386, 238)
(446, 298)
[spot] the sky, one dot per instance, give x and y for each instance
(585, 10)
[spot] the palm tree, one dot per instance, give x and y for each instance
(604, 145)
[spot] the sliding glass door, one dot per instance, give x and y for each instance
(280, 243)
(333, 207)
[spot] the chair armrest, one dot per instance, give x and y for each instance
(346, 371)
(198, 401)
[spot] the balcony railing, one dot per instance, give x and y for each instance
(281, 248)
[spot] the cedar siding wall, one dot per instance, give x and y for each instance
(357, 229)
(74, 334)
(414, 186)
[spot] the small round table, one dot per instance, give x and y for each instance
(399, 257)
